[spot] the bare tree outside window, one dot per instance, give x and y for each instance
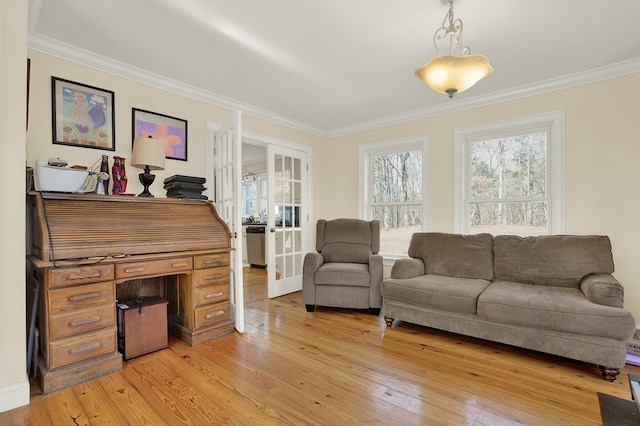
(396, 198)
(508, 191)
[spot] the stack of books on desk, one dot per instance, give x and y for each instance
(178, 186)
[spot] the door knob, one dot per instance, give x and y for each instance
(272, 229)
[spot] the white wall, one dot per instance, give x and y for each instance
(127, 95)
(14, 385)
(602, 192)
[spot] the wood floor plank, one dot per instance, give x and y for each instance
(129, 403)
(332, 366)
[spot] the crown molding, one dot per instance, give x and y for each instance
(83, 57)
(571, 80)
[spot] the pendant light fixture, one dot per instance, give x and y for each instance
(457, 71)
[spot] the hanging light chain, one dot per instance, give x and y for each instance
(451, 28)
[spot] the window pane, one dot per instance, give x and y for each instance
(249, 199)
(397, 177)
(515, 218)
(513, 167)
(397, 224)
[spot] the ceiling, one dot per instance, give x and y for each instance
(332, 67)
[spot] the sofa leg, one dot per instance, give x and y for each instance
(389, 321)
(609, 374)
(374, 311)
(310, 308)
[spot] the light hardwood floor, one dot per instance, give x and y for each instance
(331, 367)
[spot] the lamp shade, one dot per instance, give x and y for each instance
(453, 74)
(148, 152)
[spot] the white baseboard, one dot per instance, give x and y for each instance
(14, 395)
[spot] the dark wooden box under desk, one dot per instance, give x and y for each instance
(142, 326)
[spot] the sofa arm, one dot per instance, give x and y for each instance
(603, 289)
(312, 261)
(407, 268)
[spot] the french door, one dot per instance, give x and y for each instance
(287, 219)
(227, 151)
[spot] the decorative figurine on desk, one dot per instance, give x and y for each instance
(104, 168)
(102, 179)
(119, 176)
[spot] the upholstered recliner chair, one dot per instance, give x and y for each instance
(346, 271)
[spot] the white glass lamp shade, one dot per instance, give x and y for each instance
(148, 152)
(451, 74)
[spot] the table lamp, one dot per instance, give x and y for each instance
(148, 154)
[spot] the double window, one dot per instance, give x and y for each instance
(394, 187)
(509, 177)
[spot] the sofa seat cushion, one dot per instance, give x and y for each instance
(437, 292)
(561, 309)
(344, 274)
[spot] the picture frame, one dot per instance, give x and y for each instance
(82, 115)
(160, 126)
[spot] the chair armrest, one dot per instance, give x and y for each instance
(407, 267)
(312, 261)
(603, 289)
(376, 271)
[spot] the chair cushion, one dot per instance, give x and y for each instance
(553, 308)
(558, 260)
(454, 255)
(344, 274)
(347, 240)
(437, 292)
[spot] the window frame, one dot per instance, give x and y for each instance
(366, 151)
(552, 122)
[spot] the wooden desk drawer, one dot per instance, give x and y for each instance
(212, 276)
(212, 260)
(77, 298)
(154, 267)
(74, 323)
(212, 314)
(60, 277)
(80, 348)
(212, 294)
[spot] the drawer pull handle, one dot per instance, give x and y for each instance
(86, 348)
(85, 321)
(79, 297)
(214, 314)
(132, 270)
(214, 295)
(210, 261)
(213, 277)
(179, 265)
(86, 277)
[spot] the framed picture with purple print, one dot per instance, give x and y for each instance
(159, 126)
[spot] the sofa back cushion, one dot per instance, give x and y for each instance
(347, 240)
(454, 255)
(557, 260)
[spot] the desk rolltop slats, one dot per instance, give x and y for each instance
(76, 226)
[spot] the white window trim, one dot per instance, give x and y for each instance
(420, 142)
(554, 120)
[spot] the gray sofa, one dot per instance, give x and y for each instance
(553, 294)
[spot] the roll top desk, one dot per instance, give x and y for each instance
(87, 251)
